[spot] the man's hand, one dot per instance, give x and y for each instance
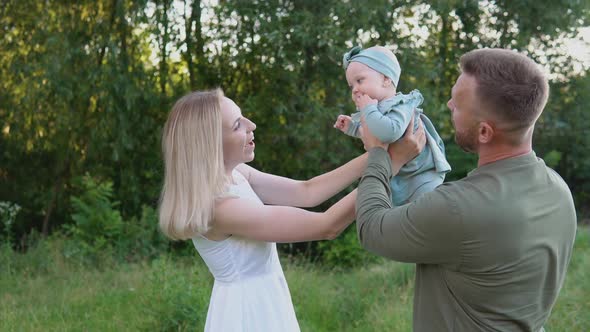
(369, 140)
(343, 123)
(408, 147)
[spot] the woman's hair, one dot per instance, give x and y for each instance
(192, 147)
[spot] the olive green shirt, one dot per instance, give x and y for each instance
(491, 249)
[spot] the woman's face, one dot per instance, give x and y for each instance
(238, 135)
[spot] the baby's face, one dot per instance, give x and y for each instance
(364, 80)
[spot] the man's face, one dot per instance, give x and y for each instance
(464, 105)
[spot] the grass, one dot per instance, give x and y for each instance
(42, 291)
(73, 302)
(573, 304)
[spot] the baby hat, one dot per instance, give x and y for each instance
(376, 60)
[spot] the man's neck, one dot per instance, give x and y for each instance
(490, 154)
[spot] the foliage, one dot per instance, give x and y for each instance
(8, 212)
(43, 256)
(142, 237)
(345, 251)
(87, 86)
(77, 97)
(97, 222)
(172, 294)
(182, 297)
(563, 135)
(99, 230)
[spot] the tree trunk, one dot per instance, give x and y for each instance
(162, 17)
(54, 195)
(194, 45)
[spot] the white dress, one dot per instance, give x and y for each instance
(250, 292)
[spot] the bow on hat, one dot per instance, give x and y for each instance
(348, 55)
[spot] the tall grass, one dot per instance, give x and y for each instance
(43, 290)
(572, 310)
(374, 298)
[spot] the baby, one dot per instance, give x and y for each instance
(373, 75)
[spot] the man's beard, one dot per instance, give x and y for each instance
(467, 140)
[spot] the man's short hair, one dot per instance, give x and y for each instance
(510, 86)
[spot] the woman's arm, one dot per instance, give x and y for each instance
(278, 190)
(243, 217)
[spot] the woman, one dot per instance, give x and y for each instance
(234, 213)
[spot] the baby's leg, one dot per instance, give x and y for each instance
(426, 187)
(402, 194)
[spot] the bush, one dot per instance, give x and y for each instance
(44, 255)
(176, 300)
(100, 234)
(141, 237)
(8, 212)
(345, 251)
(97, 222)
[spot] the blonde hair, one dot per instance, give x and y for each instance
(192, 148)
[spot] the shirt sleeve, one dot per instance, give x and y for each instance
(387, 127)
(426, 231)
(353, 129)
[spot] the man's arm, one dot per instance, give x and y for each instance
(427, 230)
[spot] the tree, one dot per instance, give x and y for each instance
(87, 86)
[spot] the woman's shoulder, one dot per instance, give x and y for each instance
(243, 172)
(239, 185)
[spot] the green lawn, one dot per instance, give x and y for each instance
(172, 295)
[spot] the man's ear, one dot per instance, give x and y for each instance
(485, 132)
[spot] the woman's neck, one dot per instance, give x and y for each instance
(229, 171)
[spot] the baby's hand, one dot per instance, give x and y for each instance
(361, 101)
(343, 123)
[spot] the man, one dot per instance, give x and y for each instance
(491, 250)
